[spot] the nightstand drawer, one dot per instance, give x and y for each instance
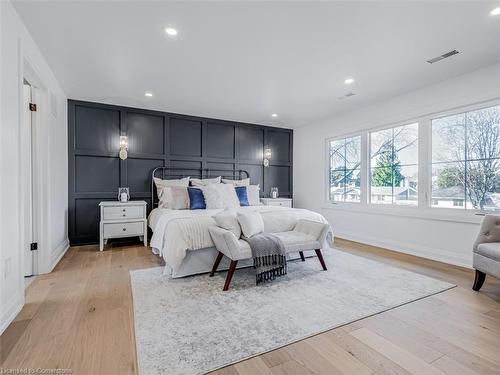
(123, 229)
(280, 203)
(123, 213)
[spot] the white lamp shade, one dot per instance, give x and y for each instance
(123, 141)
(267, 153)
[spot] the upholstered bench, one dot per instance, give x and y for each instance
(307, 235)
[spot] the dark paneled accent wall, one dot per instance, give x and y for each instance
(159, 139)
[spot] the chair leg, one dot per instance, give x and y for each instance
(321, 260)
(479, 280)
(301, 253)
(230, 273)
(216, 263)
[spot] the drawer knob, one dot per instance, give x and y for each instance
(124, 210)
(124, 215)
(124, 229)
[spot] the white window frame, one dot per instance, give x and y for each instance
(327, 167)
(456, 111)
(423, 209)
(369, 166)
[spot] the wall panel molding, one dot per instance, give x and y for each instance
(159, 139)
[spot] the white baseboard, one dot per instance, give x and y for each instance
(15, 303)
(10, 310)
(412, 249)
(57, 253)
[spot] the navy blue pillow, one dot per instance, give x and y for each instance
(196, 199)
(241, 192)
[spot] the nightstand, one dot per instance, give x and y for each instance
(284, 202)
(123, 220)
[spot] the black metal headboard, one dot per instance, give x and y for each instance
(170, 173)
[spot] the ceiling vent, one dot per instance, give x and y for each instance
(346, 96)
(443, 56)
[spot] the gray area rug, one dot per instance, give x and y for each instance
(190, 326)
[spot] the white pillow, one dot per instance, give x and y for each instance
(251, 223)
(227, 219)
(220, 196)
(160, 184)
(253, 195)
(205, 181)
(244, 182)
(174, 197)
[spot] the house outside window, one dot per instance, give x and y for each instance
(345, 169)
(394, 165)
(466, 160)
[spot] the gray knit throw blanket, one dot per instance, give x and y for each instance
(269, 257)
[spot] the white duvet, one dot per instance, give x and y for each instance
(177, 231)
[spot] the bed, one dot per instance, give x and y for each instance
(181, 237)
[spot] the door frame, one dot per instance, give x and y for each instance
(27, 201)
(38, 163)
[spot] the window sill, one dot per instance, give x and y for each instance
(437, 214)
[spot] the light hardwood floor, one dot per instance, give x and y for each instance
(80, 317)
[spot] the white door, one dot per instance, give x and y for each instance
(27, 180)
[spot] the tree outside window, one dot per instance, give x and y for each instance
(345, 175)
(394, 165)
(466, 160)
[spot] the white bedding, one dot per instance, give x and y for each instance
(177, 231)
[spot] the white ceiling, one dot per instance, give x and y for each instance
(246, 60)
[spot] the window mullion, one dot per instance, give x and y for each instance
(345, 169)
(328, 169)
(424, 162)
(365, 168)
(393, 176)
(466, 162)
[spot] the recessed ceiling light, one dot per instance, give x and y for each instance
(348, 81)
(148, 94)
(171, 31)
(274, 115)
(495, 12)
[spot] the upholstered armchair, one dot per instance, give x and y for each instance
(486, 257)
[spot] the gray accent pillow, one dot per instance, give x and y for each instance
(160, 184)
(174, 197)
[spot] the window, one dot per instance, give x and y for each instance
(459, 165)
(344, 171)
(466, 160)
(394, 165)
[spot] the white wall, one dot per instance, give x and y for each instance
(18, 51)
(440, 238)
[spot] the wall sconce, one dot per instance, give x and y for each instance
(123, 147)
(267, 156)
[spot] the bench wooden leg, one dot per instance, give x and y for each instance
(230, 273)
(301, 253)
(216, 263)
(320, 257)
(478, 280)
